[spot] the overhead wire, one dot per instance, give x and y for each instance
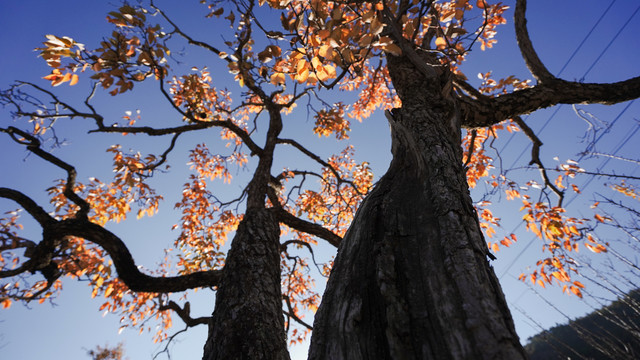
(558, 108)
(584, 40)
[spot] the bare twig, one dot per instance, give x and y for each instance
(535, 157)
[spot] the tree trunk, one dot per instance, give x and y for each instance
(247, 322)
(411, 279)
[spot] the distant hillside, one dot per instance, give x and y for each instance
(613, 332)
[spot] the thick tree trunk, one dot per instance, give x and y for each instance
(247, 322)
(411, 279)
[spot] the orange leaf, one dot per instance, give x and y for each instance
(6, 303)
(74, 79)
(576, 291)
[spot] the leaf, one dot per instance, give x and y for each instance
(441, 43)
(376, 26)
(393, 49)
(231, 17)
(74, 80)
(302, 71)
(277, 78)
(576, 291)
(6, 303)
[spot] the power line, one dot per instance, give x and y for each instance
(565, 66)
(558, 108)
(610, 42)
(604, 163)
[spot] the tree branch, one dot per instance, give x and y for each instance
(30, 206)
(535, 157)
(494, 110)
(291, 314)
(123, 261)
(535, 65)
(317, 159)
(54, 231)
(189, 39)
(184, 314)
(295, 222)
(549, 91)
(407, 49)
(33, 145)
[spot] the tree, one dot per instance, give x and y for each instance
(412, 278)
(107, 352)
(610, 332)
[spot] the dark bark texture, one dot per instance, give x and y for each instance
(247, 322)
(412, 279)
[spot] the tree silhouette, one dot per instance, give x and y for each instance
(412, 278)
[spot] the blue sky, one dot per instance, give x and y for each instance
(557, 29)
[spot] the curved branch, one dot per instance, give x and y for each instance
(33, 145)
(123, 261)
(189, 39)
(535, 157)
(317, 159)
(295, 222)
(534, 64)
(494, 110)
(284, 245)
(549, 91)
(30, 206)
(128, 272)
(184, 314)
(293, 315)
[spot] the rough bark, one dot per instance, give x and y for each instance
(247, 321)
(411, 279)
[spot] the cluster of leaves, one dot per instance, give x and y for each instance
(375, 93)
(343, 185)
(332, 121)
(492, 87)
(560, 234)
(134, 52)
(112, 201)
(199, 100)
(335, 204)
(107, 352)
(205, 224)
(626, 189)
(10, 240)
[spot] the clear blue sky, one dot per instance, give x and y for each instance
(74, 323)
